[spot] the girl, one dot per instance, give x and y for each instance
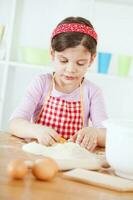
(61, 104)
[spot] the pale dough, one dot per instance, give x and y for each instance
(68, 155)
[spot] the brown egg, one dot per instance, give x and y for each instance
(17, 169)
(45, 169)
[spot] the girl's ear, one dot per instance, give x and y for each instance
(52, 54)
(92, 59)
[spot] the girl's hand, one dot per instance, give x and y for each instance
(47, 136)
(87, 138)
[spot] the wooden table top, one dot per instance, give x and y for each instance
(32, 189)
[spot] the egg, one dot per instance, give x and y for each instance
(45, 169)
(17, 169)
(62, 140)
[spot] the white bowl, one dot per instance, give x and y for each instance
(119, 146)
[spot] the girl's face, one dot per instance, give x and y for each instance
(72, 64)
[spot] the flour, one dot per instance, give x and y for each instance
(68, 155)
(59, 151)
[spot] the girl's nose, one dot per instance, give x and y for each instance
(71, 67)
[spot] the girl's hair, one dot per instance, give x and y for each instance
(66, 40)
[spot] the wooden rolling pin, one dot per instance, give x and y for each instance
(99, 179)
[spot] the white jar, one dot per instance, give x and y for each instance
(119, 146)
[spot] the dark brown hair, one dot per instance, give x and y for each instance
(66, 40)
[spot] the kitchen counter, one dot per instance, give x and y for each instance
(32, 189)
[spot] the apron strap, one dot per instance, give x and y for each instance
(82, 103)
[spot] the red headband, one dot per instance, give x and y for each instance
(75, 27)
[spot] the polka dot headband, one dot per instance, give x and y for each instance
(75, 27)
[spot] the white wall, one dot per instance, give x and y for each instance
(114, 25)
(118, 94)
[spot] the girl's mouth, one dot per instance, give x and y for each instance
(69, 77)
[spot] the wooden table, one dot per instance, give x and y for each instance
(32, 189)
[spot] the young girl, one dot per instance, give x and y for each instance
(61, 104)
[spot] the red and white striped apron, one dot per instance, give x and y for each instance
(65, 117)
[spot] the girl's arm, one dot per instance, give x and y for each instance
(101, 136)
(98, 115)
(25, 129)
(32, 100)
(20, 120)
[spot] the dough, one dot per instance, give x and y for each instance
(68, 155)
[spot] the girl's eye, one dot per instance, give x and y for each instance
(80, 64)
(63, 61)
